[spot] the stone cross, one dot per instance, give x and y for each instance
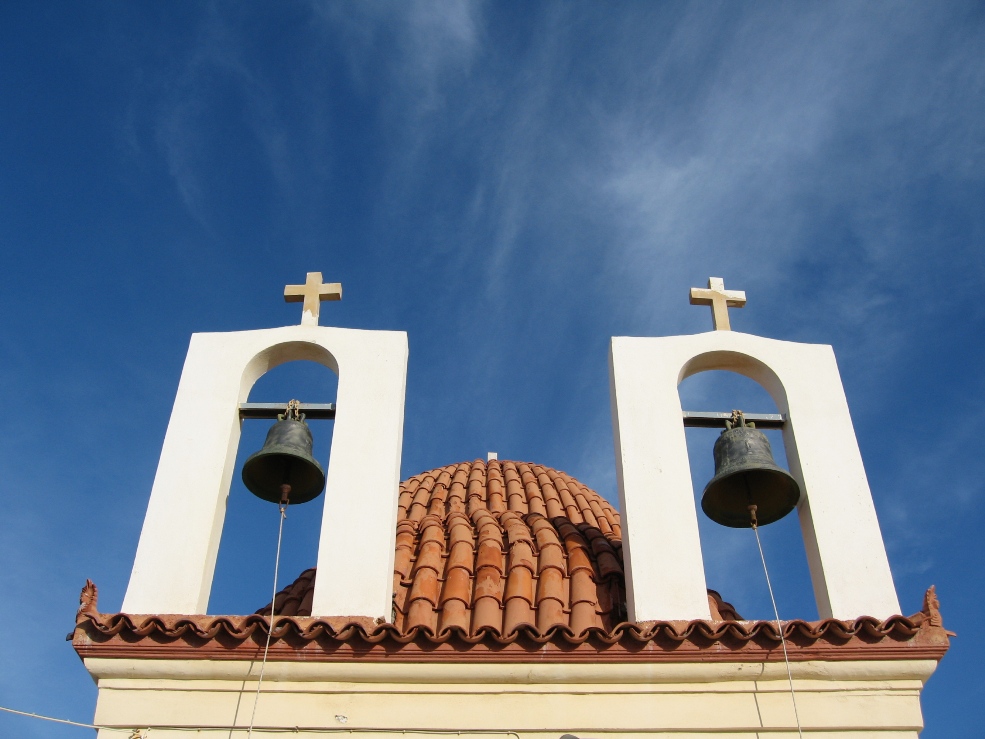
(312, 292)
(720, 301)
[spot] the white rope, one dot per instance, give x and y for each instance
(139, 733)
(776, 613)
(273, 609)
(58, 720)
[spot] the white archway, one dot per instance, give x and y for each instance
(665, 573)
(176, 555)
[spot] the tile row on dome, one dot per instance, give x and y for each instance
(500, 486)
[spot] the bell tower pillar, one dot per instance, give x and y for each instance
(179, 541)
(665, 574)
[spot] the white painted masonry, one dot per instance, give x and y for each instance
(179, 541)
(663, 563)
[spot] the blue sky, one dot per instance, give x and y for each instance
(511, 184)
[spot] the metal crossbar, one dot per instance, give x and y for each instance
(714, 420)
(312, 411)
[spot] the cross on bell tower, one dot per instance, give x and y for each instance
(720, 301)
(312, 292)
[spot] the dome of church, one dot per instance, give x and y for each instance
(499, 545)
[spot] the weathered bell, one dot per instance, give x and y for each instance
(285, 459)
(746, 474)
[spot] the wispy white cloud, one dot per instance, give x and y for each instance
(413, 47)
(779, 147)
(184, 127)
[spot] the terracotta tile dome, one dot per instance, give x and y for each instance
(499, 545)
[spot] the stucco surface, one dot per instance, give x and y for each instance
(848, 699)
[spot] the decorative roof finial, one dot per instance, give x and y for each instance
(720, 301)
(312, 292)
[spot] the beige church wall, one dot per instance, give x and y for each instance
(545, 734)
(834, 699)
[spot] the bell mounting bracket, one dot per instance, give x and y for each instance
(311, 411)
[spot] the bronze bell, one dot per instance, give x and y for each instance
(285, 460)
(746, 475)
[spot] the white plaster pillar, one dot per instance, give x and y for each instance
(665, 576)
(179, 541)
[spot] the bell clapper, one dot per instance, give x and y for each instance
(752, 516)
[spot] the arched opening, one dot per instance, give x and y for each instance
(731, 558)
(245, 563)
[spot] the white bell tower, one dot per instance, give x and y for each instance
(179, 541)
(663, 562)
